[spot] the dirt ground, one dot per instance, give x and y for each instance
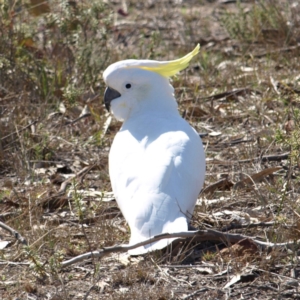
(241, 93)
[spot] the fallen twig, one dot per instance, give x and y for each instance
(265, 158)
(234, 92)
(12, 263)
(199, 235)
(82, 172)
(15, 233)
(233, 143)
(253, 225)
(18, 131)
(78, 119)
(266, 53)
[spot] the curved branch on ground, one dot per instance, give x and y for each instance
(199, 235)
(15, 233)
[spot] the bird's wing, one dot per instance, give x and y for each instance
(156, 179)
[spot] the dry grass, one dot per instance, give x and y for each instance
(242, 89)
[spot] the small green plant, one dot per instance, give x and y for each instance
(78, 200)
(208, 256)
(71, 93)
(36, 261)
(4, 194)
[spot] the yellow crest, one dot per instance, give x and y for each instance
(170, 68)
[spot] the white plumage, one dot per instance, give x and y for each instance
(156, 161)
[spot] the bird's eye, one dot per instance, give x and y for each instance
(128, 86)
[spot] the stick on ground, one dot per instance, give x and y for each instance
(15, 233)
(199, 235)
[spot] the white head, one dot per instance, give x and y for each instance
(137, 85)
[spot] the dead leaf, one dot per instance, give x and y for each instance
(289, 126)
(234, 279)
(221, 185)
(195, 111)
(38, 7)
(30, 46)
(27, 42)
(257, 176)
(215, 133)
(242, 251)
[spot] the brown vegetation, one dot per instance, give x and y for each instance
(242, 91)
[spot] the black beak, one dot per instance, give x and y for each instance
(109, 95)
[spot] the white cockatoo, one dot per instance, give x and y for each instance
(156, 161)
